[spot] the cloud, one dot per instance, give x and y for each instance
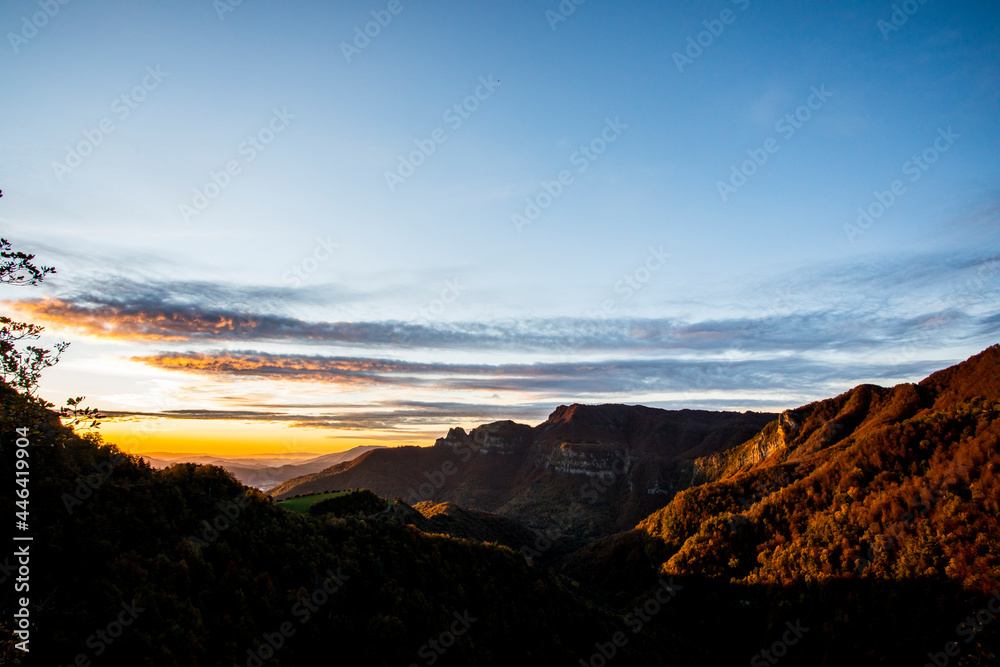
(119, 307)
(867, 307)
(564, 379)
(879, 321)
(799, 332)
(384, 416)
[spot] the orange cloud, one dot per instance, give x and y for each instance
(340, 371)
(109, 321)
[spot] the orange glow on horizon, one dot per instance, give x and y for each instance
(241, 438)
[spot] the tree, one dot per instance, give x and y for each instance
(22, 365)
(22, 368)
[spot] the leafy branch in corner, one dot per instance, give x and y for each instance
(22, 365)
(22, 368)
(17, 267)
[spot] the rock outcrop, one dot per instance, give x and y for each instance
(590, 466)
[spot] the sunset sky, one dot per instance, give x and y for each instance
(275, 233)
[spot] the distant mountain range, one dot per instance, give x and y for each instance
(256, 472)
(600, 468)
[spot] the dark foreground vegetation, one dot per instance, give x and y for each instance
(209, 572)
(217, 569)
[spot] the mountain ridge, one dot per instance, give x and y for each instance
(877, 483)
(623, 461)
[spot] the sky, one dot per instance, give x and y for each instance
(300, 227)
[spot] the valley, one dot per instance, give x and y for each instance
(867, 522)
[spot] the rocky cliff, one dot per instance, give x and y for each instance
(585, 470)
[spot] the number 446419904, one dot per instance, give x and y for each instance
(22, 477)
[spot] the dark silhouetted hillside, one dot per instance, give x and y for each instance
(211, 569)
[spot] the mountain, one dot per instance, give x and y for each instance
(261, 475)
(587, 470)
(874, 515)
(263, 478)
(875, 482)
(186, 566)
(271, 460)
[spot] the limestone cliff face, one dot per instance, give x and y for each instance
(802, 433)
(488, 440)
(774, 438)
(590, 459)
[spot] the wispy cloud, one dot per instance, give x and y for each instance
(869, 313)
(380, 416)
(608, 377)
(815, 331)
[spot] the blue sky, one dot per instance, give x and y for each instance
(313, 295)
